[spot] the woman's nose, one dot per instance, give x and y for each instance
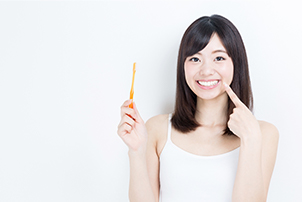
(206, 69)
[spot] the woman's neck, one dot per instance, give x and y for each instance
(212, 112)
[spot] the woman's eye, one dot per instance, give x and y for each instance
(219, 59)
(194, 59)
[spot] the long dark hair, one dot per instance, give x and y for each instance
(195, 38)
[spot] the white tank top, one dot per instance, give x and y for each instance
(186, 177)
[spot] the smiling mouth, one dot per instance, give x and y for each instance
(208, 83)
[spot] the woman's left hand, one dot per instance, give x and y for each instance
(242, 122)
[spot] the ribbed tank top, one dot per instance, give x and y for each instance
(186, 177)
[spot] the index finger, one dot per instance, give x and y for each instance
(127, 103)
(237, 102)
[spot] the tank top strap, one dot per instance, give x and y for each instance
(169, 128)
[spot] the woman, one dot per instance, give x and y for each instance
(212, 148)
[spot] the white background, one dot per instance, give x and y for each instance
(66, 67)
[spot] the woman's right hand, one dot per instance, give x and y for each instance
(132, 128)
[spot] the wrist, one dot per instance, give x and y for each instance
(140, 153)
(251, 139)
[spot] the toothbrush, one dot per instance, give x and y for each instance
(132, 91)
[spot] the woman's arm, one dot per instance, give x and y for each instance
(144, 170)
(256, 163)
(140, 188)
(142, 155)
(157, 128)
(258, 149)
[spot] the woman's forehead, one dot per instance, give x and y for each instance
(214, 46)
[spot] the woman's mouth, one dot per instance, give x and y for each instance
(208, 84)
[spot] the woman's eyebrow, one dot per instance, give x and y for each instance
(219, 50)
(215, 51)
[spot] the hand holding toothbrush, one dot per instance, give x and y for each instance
(132, 128)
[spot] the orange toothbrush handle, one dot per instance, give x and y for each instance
(132, 85)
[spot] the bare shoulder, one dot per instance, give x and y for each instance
(157, 123)
(269, 132)
(157, 128)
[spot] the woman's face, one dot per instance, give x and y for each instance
(205, 70)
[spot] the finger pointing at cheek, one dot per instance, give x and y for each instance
(241, 122)
(237, 102)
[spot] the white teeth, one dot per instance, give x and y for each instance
(207, 83)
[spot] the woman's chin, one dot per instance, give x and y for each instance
(209, 96)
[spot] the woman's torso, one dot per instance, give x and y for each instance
(195, 167)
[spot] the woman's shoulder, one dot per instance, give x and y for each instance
(157, 128)
(157, 124)
(268, 128)
(269, 132)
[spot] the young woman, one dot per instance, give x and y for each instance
(211, 148)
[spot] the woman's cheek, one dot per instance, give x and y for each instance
(226, 73)
(188, 73)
